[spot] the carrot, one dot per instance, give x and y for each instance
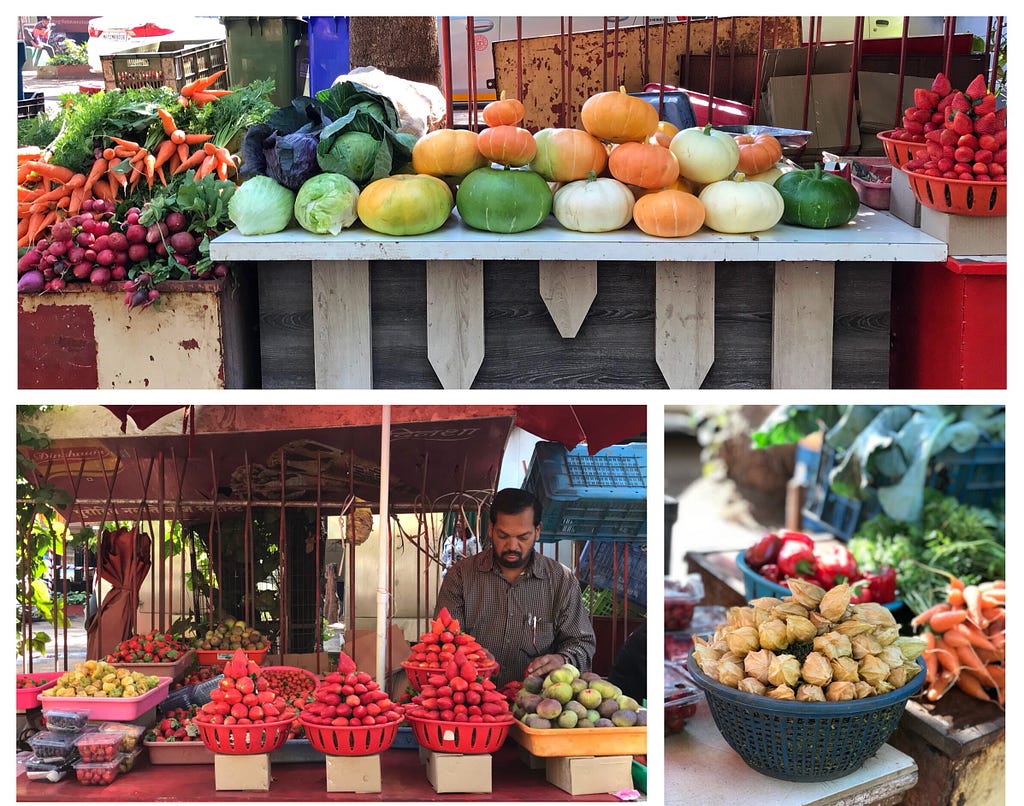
(125, 143)
(193, 139)
(49, 170)
(931, 663)
(974, 635)
(925, 615)
(29, 154)
(77, 197)
(955, 639)
(177, 137)
(163, 153)
(970, 660)
(955, 597)
(941, 622)
(108, 153)
(27, 194)
(200, 84)
(998, 674)
(168, 122)
(993, 597)
(941, 685)
(972, 686)
(208, 164)
(193, 161)
(102, 190)
(182, 152)
(158, 171)
(945, 656)
(48, 218)
(98, 167)
(138, 157)
(972, 601)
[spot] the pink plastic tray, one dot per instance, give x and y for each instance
(121, 708)
(29, 697)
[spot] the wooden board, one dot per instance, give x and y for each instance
(615, 348)
(341, 324)
(802, 325)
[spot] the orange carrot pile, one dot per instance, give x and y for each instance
(45, 191)
(199, 92)
(966, 641)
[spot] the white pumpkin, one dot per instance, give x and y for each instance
(594, 204)
(737, 205)
(704, 154)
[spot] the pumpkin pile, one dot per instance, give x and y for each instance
(964, 134)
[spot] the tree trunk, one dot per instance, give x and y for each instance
(400, 46)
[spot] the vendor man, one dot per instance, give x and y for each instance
(525, 608)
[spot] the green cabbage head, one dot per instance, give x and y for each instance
(261, 206)
(326, 203)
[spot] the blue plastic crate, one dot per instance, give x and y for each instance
(328, 51)
(976, 477)
(603, 496)
(619, 567)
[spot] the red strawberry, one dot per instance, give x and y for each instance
(977, 88)
(985, 105)
(345, 664)
(986, 124)
(962, 123)
(959, 103)
(941, 85)
(926, 99)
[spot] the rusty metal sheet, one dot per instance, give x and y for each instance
(597, 64)
(56, 347)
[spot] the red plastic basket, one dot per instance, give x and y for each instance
(418, 675)
(959, 196)
(459, 737)
(361, 740)
(242, 740)
(899, 151)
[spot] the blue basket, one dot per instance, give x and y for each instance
(328, 51)
(976, 477)
(609, 563)
(756, 586)
(804, 741)
(603, 496)
(179, 698)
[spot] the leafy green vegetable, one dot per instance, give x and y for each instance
(884, 451)
(261, 206)
(951, 538)
(326, 203)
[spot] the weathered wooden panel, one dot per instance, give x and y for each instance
(556, 67)
(343, 356)
(615, 346)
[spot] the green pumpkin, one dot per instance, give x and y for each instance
(503, 200)
(816, 198)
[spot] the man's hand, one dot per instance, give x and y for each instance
(545, 664)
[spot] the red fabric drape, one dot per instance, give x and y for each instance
(124, 557)
(598, 426)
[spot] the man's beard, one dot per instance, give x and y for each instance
(504, 562)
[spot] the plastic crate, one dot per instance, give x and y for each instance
(31, 105)
(328, 51)
(608, 561)
(976, 477)
(582, 497)
(166, 64)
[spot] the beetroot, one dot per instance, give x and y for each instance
(29, 260)
(31, 282)
(99, 276)
(117, 241)
(175, 221)
(135, 233)
(138, 252)
(183, 243)
(156, 232)
(82, 270)
(105, 257)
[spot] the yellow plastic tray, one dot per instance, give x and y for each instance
(564, 742)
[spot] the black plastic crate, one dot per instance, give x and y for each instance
(618, 567)
(166, 64)
(601, 496)
(976, 477)
(34, 103)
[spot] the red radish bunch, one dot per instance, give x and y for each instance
(244, 697)
(437, 647)
(459, 694)
(350, 698)
(971, 143)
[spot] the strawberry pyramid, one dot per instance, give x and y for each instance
(437, 647)
(964, 134)
(457, 693)
(244, 697)
(350, 698)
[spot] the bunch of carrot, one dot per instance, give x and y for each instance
(45, 192)
(965, 639)
(198, 92)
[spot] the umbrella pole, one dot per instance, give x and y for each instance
(385, 544)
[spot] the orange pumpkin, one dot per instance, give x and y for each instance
(643, 164)
(504, 111)
(669, 213)
(564, 155)
(682, 183)
(664, 133)
(758, 152)
(507, 145)
(619, 117)
(447, 153)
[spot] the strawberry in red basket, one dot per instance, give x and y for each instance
(436, 647)
(351, 698)
(244, 697)
(459, 694)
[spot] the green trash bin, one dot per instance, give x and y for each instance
(265, 47)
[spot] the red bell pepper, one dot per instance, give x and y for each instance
(770, 571)
(796, 559)
(881, 585)
(789, 536)
(835, 565)
(763, 551)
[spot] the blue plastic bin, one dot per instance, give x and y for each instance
(610, 563)
(976, 477)
(603, 496)
(328, 51)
